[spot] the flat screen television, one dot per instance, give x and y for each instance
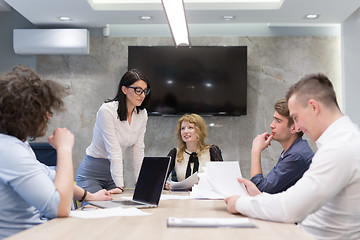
(207, 80)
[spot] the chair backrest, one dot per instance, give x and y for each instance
(44, 152)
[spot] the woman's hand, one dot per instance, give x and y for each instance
(101, 195)
(167, 185)
(116, 190)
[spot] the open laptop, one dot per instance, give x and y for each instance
(148, 187)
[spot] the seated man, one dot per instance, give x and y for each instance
(294, 160)
(326, 199)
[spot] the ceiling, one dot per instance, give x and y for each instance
(46, 13)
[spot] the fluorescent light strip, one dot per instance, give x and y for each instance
(175, 14)
(124, 5)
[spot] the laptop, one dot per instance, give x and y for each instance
(148, 187)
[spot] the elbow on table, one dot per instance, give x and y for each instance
(63, 213)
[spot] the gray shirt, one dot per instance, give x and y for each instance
(27, 192)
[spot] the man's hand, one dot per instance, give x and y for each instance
(251, 188)
(231, 203)
(261, 142)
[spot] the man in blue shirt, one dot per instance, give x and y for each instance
(294, 160)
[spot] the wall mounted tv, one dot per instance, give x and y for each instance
(207, 80)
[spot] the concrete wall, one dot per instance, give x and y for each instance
(8, 59)
(274, 63)
(351, 65)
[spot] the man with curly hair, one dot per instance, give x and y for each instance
(30, 192)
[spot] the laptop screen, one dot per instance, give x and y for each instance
(151, 179)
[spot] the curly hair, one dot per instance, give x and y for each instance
(201, 133)
(27, 102)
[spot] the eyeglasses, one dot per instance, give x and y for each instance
(139, 90)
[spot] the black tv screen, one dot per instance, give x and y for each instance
(207, 80)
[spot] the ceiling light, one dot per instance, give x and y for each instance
(175, 14)
(66, 19)
(312, 16)
(145, 18)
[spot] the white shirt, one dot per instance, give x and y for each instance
(27, 192)
(111, 137)
(180, 167)
(327, 198)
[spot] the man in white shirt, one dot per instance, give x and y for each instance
(326, 200)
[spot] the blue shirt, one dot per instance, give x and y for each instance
(27, 192)
(290, 167)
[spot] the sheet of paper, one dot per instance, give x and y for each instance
(223, 177)
(210, 222)
(166, 197)
(186, 184)
(203, 190)
(174, 196)
(108, 212)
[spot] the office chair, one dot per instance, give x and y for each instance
(46, 154)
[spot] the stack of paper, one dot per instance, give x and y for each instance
(186, 184)
(210, 222)
(219, 180)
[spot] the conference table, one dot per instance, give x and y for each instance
(154, 226)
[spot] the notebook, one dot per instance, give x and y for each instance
(148, 188)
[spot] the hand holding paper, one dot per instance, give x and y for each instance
(220, 178)
(186, 184)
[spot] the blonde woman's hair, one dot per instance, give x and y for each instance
(201, 133)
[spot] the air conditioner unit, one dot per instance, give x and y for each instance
(51, 41)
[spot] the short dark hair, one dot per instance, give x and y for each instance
(314, 86)
(129, 78)
(26, 101)
(281, 107)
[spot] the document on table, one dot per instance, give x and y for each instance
(210, 222)
(186, 184)
(107, 212)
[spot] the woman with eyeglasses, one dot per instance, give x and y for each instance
(192, 153)
(120, 124)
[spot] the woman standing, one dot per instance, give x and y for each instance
(192, 153)
(120, 124)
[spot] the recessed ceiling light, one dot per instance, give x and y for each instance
(228, 17)
(145, 17)
(312, 16)
(64, 19)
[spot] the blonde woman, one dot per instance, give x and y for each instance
(192, 153)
